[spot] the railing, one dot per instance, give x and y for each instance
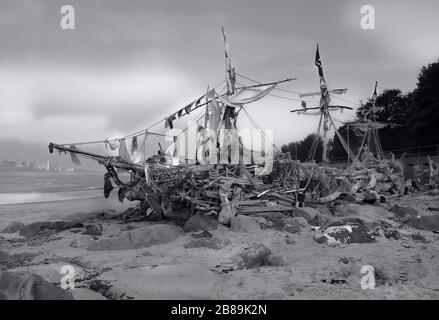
(411, 152)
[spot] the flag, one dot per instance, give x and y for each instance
(374, 95)
(304, 105)
(318, 62)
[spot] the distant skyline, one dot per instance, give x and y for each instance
(129, 63)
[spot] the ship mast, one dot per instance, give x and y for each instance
(324, 108)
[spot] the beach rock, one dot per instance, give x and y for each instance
(211, 243)
(344, 234)
(47, 228)
(246, 224)
(82, 242)
(404, 211)
(27, 286)
(426, 222)
(308, 213)
(13, 227)
(168, 282)
(93, 230)
(371, 197)
(138, 238)
(392, 234)
(200, 223)
(255, 256)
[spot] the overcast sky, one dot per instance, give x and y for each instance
(129, 63)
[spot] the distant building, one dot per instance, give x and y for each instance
(9, 164)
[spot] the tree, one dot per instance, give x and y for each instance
(303, 147)
(423, 114)
(395, 105)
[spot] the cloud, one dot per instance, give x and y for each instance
(115, 100)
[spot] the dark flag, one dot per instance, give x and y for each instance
(319, 62)
(304, 105)
(374, 96)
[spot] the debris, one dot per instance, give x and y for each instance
(344, 234)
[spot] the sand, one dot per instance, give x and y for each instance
(301, 268)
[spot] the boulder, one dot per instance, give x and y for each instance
(199, 222)
(27, 286)
(246, 224)
(13, 227)
(255, 256)
(308, 213)
(138, 238)
(353, 233)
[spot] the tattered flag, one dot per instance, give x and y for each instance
(304, 105)
(318, 62)
(74, 157)
(134, 144)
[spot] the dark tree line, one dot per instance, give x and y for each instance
(417, 112)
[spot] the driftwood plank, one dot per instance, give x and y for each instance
(258, 209)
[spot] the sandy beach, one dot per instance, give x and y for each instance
(116, 254)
